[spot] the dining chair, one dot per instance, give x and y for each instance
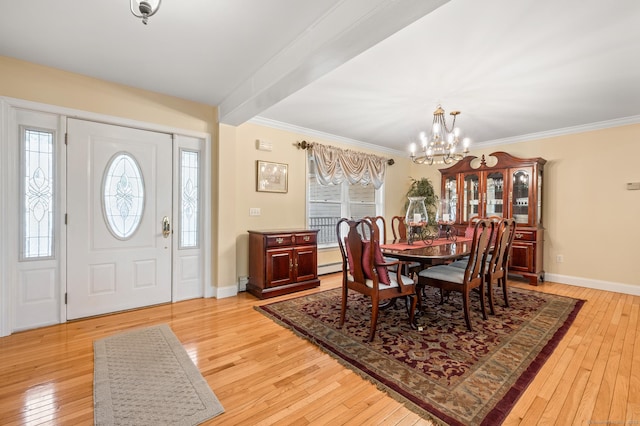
(399, 235)
(451, 278)
(399, 228)
(498, 265)
(365, 271)
(497, 258)
(381, 223)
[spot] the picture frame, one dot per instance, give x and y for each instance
(271, 177)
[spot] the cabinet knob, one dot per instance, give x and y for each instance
(518, 235)
(306, 238)
(279, 240)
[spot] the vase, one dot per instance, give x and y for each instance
(416, 219)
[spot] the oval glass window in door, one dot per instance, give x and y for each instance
(123, 195)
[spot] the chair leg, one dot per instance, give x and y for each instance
(482, 304)
(504, 290)
(412, 311)
(419, 290)
(343, 310)
(490, 294)
(465, 308)
(374, 319)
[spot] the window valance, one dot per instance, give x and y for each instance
(334, 165)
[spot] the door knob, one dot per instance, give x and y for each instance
(166, 227)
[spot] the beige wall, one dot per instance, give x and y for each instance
(590, 217)
(289, 210)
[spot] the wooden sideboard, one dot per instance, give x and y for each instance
(509, 187)
(282, 261)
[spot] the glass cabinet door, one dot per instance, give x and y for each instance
(520, 194)
(471, 197)
(495, 194)
(451, 193)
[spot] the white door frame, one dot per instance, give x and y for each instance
(9, 153)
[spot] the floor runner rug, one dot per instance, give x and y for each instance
(444, 373)
(145, 377)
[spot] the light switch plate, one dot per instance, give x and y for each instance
(633, 186)
(254, 211)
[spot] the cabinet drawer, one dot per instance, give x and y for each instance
(302, 239)
(525, 235)
(280, 240)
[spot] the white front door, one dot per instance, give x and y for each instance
(119, 192)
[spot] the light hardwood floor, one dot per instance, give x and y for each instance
(264, 374)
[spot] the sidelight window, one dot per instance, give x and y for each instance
(189, 198)
(37, 183)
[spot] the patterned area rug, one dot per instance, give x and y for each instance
(444, 373)
(145, 377)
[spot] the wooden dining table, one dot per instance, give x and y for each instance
(428, 253)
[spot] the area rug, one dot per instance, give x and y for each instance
(444, 373)
(145, 377)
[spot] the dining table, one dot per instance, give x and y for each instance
(428, 252)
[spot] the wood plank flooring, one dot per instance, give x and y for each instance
(264, 374)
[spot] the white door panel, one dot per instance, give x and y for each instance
(107, 271)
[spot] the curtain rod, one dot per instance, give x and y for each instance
(309, 145)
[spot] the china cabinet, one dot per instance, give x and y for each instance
(510, 187)
(282, 261)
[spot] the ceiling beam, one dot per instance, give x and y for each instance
(346, 30)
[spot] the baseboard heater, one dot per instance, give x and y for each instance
(329, 268)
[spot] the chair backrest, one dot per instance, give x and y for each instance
(380, 227)
(351, 247)
(482, 232)
(504, 236)
(398, 228)
(470, 229)
(360, 250)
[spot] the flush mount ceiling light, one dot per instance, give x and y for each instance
(441, 146)
(144, 9)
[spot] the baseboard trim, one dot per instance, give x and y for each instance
(633, 290)
(228, 291)
(329, 268)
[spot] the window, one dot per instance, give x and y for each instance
(328, 203)
(189, 200)
(123, 195)
(37, 196)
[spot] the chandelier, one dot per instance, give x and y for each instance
(145, 9)
(441, 146)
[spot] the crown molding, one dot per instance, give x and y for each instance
(599, 125)
(310, 133)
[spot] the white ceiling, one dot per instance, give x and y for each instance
(371, 71)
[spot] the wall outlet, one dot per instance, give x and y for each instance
(254, 211)
(242, 283)
(559, 258)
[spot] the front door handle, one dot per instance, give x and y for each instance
(166, 227)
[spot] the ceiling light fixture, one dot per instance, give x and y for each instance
(145, 9)
(440, 147)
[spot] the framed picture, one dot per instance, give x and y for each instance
(271, 177)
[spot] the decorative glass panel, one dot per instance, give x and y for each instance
(189, 200)
(471, 197)
(495, 194)
(37, 194)
(123, 195)
(521, 180)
